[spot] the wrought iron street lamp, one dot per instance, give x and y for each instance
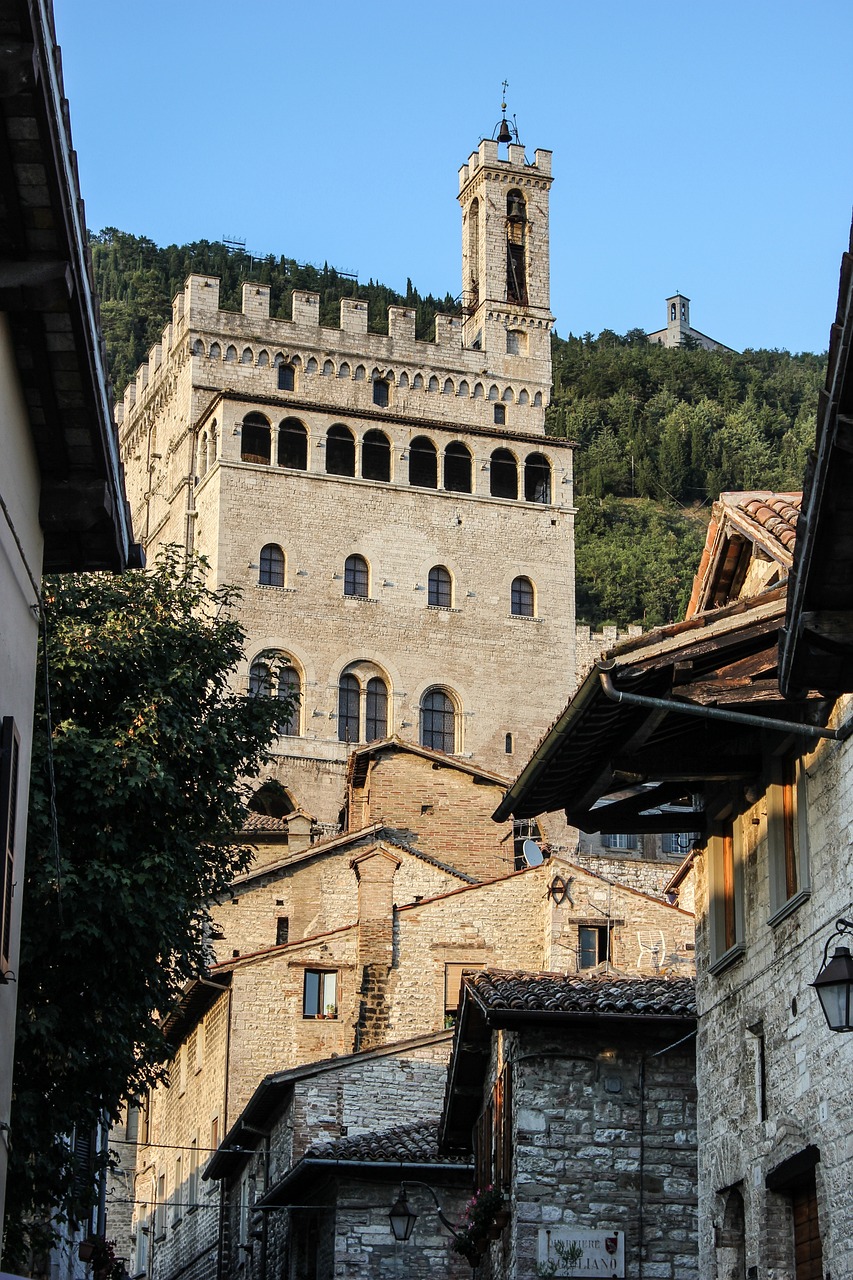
(403, 1216)
(834, 983)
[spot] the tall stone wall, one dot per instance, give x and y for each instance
(597, 1130)
(769, 1068)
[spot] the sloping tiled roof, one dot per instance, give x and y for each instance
(568, 993)
(263, 822)
(777, 513)
(407, 1143)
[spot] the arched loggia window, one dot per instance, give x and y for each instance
(503, 475)
(255, 439)
(340, 451)
(457, 468)
(423, 463)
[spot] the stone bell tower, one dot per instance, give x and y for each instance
(505, 249)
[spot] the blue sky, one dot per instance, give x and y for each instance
(705, 148)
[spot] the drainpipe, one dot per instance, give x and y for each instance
(717, 713)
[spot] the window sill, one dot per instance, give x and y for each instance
(271, 586)
(443, 608)
(789, 907)
(727, 959)
(361, 599)
(523, 617)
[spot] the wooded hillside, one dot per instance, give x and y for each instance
(662, 431)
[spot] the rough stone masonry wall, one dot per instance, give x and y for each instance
(647, 936)
(765, 998)
(501, 924)
(600, 1121)
(315, 894)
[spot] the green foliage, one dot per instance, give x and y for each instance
(137, 280)
(149, 747)
(635, 561)
(680, 426)
(674, 428)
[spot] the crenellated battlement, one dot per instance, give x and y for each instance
(244, 350)
(485, 158)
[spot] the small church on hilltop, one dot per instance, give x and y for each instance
(679, 332)
(398, 522)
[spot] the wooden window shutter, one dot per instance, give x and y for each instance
(10, 747)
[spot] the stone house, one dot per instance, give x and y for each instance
(312, 1166)
(738, 721)
(62, 500)
(400, 526)
(357, 943)
(576, 1098)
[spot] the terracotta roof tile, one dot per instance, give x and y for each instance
(778, 514)
(570, 993)
(408, 1143)
(263, 822)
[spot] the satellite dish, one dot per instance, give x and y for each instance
(533, 855)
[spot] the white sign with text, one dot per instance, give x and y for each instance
(573, 1251)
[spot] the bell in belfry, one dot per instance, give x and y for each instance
(504, 134)
(515, 208)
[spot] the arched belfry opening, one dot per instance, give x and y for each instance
(516, 248)
(473, 281)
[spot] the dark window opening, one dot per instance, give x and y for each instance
(423, 463)
(438, 722)
(522, 598)
(440, 587)
(292, 445)
(255, 439)
(286, 377)
(272, 799)
(381, 393)
(503, 473)
(537, 478)
(376, 710)
(288, 688)
(500, 415)
(260, 680)
(272, 566)
(356, 577)
(594, 946)
(376, 456)
(508, 747)
(672, 312)
(457, 468)
(340, 452)
(349, 707)
(282, 931)
(320, 994)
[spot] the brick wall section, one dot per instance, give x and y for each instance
(438, 808)
(578, 1150)
(806, 1065)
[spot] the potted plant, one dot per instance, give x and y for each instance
(481, 1215)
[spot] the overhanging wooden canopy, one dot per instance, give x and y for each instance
(618, 766)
